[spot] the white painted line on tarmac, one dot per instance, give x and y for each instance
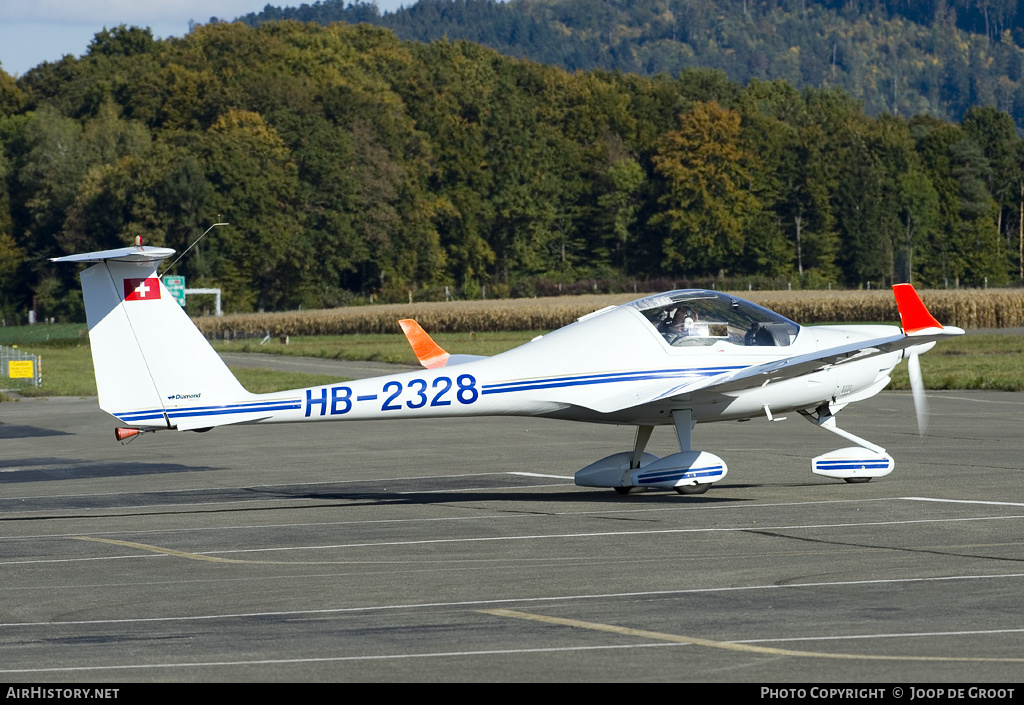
(735, 645)
(486, 488)
(908, 635)
(521, 514)
(537, 474)
(963, 501)
(606, 534)
(540, 537)
(483, 652)
(508, 601)
(337, 659)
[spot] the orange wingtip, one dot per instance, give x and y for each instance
(429, 353)
(913, 314)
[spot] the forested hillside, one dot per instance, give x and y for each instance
(935, 57)
(351, 163)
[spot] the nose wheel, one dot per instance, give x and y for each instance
(856, 464)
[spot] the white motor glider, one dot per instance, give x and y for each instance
(678, 358)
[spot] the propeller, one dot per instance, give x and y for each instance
(917, 387)
(915, 319)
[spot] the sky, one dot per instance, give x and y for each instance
(45, 30)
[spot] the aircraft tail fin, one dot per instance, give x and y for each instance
(150, 360)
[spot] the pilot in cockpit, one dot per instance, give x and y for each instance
(682, 324)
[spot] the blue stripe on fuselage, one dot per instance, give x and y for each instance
(584, 380)
(493, 388)
(183, 412)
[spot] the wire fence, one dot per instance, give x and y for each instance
(19, 369)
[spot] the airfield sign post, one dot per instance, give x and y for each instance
(176, 286)
(18, 368)
(215, 292)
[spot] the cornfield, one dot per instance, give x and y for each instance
(988, 308)
(966, 308)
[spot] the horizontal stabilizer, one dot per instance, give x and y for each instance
(122, 254)
(454, 360)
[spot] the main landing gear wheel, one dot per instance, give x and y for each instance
(857, 480)
(694, 489)
(623, 490)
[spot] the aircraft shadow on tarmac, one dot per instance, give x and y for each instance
(14, 431)
(22, 470)
(484, 489)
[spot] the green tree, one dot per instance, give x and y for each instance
(1018, 192)
(122, 41)
(920, 213)
(796, 183)
(617, 208)
(707, 204)
(255, 184)
(11, 259)
(52, 163)
(108, 145)
(965, 248)
(977, 237)
(994, 132)
(12, 98)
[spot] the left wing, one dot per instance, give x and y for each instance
(919, 328)
(758, 375)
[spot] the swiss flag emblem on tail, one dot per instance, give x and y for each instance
(141, 289)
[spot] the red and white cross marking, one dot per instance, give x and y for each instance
(141, 289)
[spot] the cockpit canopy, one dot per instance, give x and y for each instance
(694, 317)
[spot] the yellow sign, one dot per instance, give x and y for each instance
(20, 369)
